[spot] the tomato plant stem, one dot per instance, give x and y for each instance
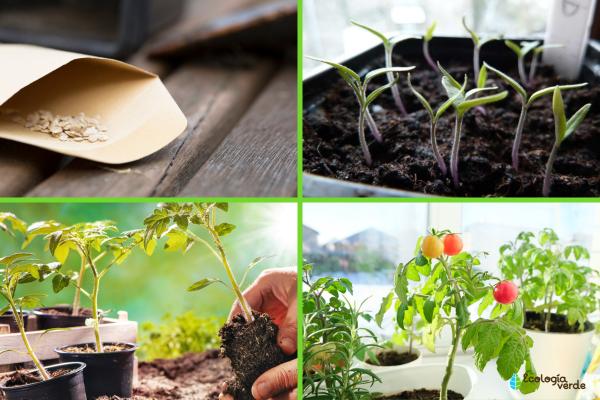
(533, 67)
(21, 325)
(77, 298)
(455, 149)
(522, 71)
(548, 175)
(391, 79)
(476, 63)
(518, 137)
(428, 56)
(361, 137)
(456, 333)
(436, 150)
(99, 348)
(373, 127)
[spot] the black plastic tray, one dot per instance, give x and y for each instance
(444, 49)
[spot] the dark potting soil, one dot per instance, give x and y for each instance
(252, 349)
(21, 378)
(195, 376)
(86, 348)
(558, 324)
(392, 357)
(422, 394)
(405, 159)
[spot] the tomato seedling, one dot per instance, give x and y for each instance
(462, 104)
(389, 44)
(18, 269)
(174, 220)
(359, 87)
(533, 47)
(478, 43)
(441, 290)
(333, 339)
(100, 246)
(563, 129)
(427, 37)
(553, 278)
(434, 119)
(526, 102)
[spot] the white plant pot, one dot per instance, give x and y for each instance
(425, 376)
(554, 354)
(399, 349)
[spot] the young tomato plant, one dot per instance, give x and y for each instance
(17, 269)
(426, 39)
(389, 45)
(478, 43)
(462, 104)
(100, 246)
(563, 129)
(173, 221)
(526, 102)
(521, 52)
(441, 289)
(434, 118)
(332, 341)
(535, 59)
(552, 277)
(359, 87)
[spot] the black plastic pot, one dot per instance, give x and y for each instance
(66, 387)
(46, 320)
(444, 49)
(106, 374)
(9, 319)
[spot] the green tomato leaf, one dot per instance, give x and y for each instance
(575, 121)
(450, 79)
(380, 35)
(482, 79)
(400, 315)
(386, 303)
(510, 81)
(420, 97)
(486, 302)
(429, 32)
(224, 229)
(467, 105)
(346, 72)
(560, 119)
(514, 47)
(456, 99)
(401, 284)
(462, 312)
(428, 308)
(511, 357)
(544, 92)
(201, 284)
(474, 35)
(529, 387)
(526, 47)
(384, 71)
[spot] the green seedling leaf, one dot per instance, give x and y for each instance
(386, 303)
(421, 99)
(377, 92)
(203, 283)
(560, 119)
(544, 92)
(526, 47)
(514, 47)
(429, 32)
(380, 35)
(510, 81)
(9, 260)
(346, 72)
(450, 78)
(482, 80)
(467, 105)
(224, 229)
(474, 35)
(576, 120)
(383, 71)
(540, 49)
(475, 91)
(456, 99)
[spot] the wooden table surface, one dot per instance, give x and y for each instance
(240, 140)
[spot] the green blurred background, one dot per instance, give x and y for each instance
(150, 287)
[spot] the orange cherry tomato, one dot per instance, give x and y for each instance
(432, 247)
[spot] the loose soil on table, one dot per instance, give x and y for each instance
(21, 378)
(405, 159)
(558, 324)
(422, 394)
(86, 348)
(252, 349)
(195, 376)
(392, 357)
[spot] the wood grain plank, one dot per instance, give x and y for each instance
(259, 157)
(212, 97)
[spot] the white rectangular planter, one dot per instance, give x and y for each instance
(111, 330)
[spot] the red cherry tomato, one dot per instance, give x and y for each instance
(506, 292)
(453, 244)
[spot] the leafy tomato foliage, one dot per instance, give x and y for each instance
(552, 277)
(333, 339)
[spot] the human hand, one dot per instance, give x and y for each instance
(275, 293)
(278, 383)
